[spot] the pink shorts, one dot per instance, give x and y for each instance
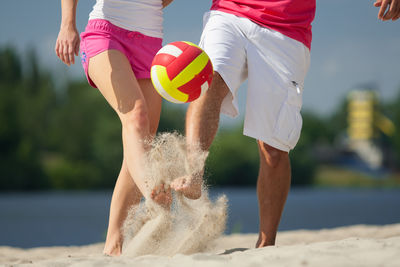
(100, 35)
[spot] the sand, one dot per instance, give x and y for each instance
(357, 245)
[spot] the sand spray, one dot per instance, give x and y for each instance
(190, 225)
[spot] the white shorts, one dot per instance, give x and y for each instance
(275, 66)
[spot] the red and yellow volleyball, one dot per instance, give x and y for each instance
(181, 72)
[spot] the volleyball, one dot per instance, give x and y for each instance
(181, 72)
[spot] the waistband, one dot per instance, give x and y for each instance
(102, 24)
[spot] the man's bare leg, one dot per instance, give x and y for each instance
(202, 120)
(272, 189)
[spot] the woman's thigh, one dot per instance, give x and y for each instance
(113, 76)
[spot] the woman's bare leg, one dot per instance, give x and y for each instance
(112, 74)
(126, 192)
(130, 98)
(125, 195)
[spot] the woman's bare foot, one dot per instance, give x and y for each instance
(189, 186)
(112, 248)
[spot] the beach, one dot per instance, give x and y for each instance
(357, 245)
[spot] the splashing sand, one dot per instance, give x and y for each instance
(190, 225)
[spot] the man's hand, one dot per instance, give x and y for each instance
(166, 2)
(67, 45)
(389, 9)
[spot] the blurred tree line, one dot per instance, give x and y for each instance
(67, 137)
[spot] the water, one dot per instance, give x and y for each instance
(78, 218)
(48, 219)
(308, 208)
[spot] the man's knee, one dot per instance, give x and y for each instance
(218, 88)
(272, 156)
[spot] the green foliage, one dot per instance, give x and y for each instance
(336, 124)
(303, 164)
(392, 109)
(172, 118)
(65, 174)
(86, 140)
(233, 160)
(10, 66)
(20, 146)
(50, 140)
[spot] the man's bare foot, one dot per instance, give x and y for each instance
(188, 186)
(161, 194)
(263, 241)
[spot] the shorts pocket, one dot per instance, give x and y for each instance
(288, 125)
(295, 94)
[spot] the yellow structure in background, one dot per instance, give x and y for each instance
(361, 115)
(364, 119)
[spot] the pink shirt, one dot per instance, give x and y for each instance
(290, 17)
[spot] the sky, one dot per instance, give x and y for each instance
(351, 48)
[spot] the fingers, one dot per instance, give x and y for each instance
(66, 52)
(67, 45)
(394, 10)
(390, 13)
(71, 54)
(65, 55)
(59, 50)
(56, 49)
(384, 5)
(389, 9)
(69, 51)
(77, 48)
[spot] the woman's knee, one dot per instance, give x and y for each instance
(271, 155)
(137, 120)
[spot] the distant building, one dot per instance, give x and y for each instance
(365, 122)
